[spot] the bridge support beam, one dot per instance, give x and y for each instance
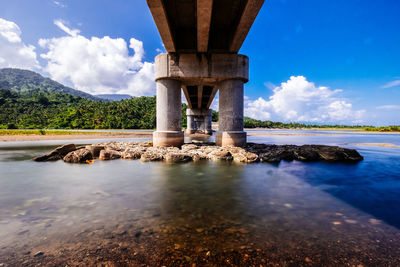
(230, 131)
(200, 75)
(169, 114)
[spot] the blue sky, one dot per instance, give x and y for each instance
(317, 61)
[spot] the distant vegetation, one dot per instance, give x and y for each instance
(383, 129)
(63, 111)
(252, 123)
(30, 101)
(28, 82)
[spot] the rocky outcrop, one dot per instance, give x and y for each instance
(204, 151)
(79, 156)
(56, 154)
(275, 153)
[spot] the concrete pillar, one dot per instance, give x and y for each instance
(230, 131)
(169, 114)
(201, 119)
(191, 124)
(208, 123)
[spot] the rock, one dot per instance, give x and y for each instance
(187, 147)
(39, 253)
(57, 153)
(337, 154)
(177, 158)
(306, 153)
(79, 156)
(251, 157)
(250, 153)
(271, 157)
(95, 150)
(220, 155)
(109, 155)
(151, 156)
(131, 154)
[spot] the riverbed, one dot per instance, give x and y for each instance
(132, 213)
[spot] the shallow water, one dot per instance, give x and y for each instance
(128, 212)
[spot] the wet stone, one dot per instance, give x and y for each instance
(95, 150)
(250, 153)
(109, 155)
(177, 157)
(79, 156)
(57, 153)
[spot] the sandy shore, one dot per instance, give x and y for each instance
(34, 137)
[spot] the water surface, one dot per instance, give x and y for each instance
(131, 213)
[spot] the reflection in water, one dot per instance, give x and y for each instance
(135, 213)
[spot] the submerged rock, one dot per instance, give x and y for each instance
(56, 154)
(79, 156)
(250, 153)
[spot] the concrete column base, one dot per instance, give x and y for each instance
(168, 138)
(230, 138)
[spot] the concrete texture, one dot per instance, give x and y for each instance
(230, 130)
(195, 69)
(169, 116)
(205, 26)
(199, 121)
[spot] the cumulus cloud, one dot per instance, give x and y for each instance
(98, 65)
(299, 100)
(391, 84)
(13, 52)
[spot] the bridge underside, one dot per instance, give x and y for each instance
(202, 38)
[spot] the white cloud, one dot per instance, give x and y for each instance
(299, 100)
(61, 24)
(13, 52)
(391, 84)
(389, 107)
(98, 65)
(58, 3)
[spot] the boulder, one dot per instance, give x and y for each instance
(220, 155)
(177, 157)
(95, 150)
(151, 156)
(79, 156)
(109, 155)
(337, 154)
(56, 154)
(136, 154)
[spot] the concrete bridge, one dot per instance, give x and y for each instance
(202, 38)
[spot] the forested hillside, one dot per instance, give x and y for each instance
(63, 111)
(29, 83)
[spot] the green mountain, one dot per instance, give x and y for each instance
(27, 82)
